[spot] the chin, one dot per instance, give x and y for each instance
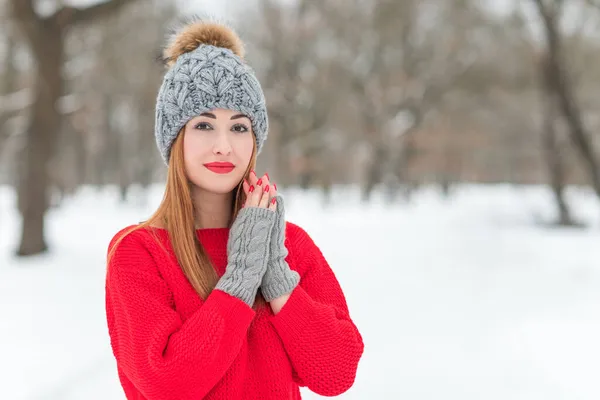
(218, 189)
(220, 185)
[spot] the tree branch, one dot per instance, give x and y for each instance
(23, 10)
(567, 98)
(17, 101)
(68, 16)
(544, 12)
(28, 20)
(593, 3)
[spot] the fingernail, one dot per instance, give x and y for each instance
(259, 182)
(275, 186)
(267, 188)
(274, 200)
(251, 189)
(252, 172)
(267, 175)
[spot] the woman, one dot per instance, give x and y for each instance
(185, 314)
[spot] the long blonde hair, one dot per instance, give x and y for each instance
(176, 214)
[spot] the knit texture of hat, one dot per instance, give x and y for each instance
(206, 78)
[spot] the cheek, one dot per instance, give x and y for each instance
(244, 147)
(194, 154)
(193, 146)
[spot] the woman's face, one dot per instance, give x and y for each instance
(217, 148)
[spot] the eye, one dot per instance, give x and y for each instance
(239, 128)
(203, 126)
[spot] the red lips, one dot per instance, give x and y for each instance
(220, 167)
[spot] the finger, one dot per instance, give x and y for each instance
(256, 196)
(266, 180)
(246, 187)
(273, 190)
(263, 181)
(264, 201)
(273, 204)
(250, 196)
(252, 178)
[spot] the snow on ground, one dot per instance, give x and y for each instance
(468, 298)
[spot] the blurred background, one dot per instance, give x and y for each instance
(444, 154)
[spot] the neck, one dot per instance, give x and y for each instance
(213, 210)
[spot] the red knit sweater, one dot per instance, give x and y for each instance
(169, 344)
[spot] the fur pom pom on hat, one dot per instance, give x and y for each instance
(198, 33)
(206, 70)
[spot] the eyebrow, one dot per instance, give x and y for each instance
(213, 116)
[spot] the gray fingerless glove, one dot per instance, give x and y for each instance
(247, 253)
(279, 279)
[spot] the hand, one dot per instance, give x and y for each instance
(279, 280)
(248, 245)
(260, 192)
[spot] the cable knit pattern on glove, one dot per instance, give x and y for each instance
(279, 279)
(169, 344)
(248, 253)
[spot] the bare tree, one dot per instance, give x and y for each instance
(12, 101)
(553, 154)
(46, 36)
(398, 65)
(558, 76)
(284, 49)
(128, 90)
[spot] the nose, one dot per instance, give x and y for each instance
(222, 145)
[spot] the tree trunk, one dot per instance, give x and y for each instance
(46, 40)
(374, 171)
(579, 136)
(41, 136)
(552, 152)
(80, 157)
(402, 155)
(8, 85)
(556, 170)
(558, 77)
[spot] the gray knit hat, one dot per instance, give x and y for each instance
(207, 71)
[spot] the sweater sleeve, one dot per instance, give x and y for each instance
(164, 357)
(323, 343)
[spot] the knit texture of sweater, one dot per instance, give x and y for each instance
(169, 344)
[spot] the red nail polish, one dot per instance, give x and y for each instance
(275, 186)
(259, 182)
(274, 200)
(267, 175)
(251, 189)
(267, 188)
